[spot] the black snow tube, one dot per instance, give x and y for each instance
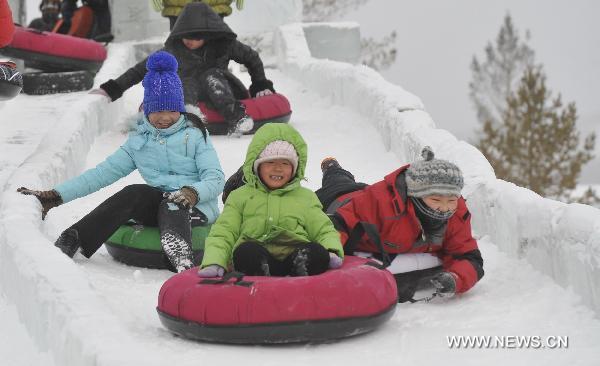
(40, 83)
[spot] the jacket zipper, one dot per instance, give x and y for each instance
(186, 141)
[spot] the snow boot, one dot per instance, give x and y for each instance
(174, 224)
(234, 182)
(329, 162)
(68, 242)
(241, 126)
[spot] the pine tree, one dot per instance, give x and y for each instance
(536, 144)
(494, 79)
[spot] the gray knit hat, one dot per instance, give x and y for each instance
(433, 176)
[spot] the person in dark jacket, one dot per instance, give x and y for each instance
(50, 11)
(416, 210)
(102, 16)
(203, 45)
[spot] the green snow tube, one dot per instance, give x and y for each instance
(138, 245)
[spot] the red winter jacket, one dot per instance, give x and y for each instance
(7, 28)
(382, 205)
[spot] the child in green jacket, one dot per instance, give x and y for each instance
(272, 226)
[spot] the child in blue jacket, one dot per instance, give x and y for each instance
(176, 159)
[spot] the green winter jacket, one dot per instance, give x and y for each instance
(279, 219)
(172, 8)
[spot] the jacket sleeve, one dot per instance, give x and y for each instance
(461, 255)
(248, 57)
(320, 229)
(116, 166)
(212, 178)
(224, 233)
(7, 27)
(359, 208)
(115, 88)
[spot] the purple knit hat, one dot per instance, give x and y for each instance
(162, 87)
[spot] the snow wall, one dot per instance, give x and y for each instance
(560, 240)
(54, 301)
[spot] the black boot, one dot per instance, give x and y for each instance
(174, 224)
(68, 242)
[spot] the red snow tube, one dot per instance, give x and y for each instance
(354, 299)
(55, 52)
(270, 108)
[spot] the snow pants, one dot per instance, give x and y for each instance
(254, 259)
(141, 203)
(222, 91)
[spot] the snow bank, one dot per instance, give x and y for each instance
(55, 299)
(560, 240)
(260, 16)
(334, 41)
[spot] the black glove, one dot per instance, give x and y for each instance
(259, 86)
(445, 284)
(48, 199)
(113, 89)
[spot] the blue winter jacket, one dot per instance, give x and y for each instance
(167, 159)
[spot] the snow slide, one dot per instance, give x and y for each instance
(99, 312)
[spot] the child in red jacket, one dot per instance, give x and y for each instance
(416, 209)
(7, 28)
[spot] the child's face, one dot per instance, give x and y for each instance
(163, 119)
(193, 44)
(275, 173)
(441, 203)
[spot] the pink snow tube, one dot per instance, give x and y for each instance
(270, 108)
(354, 299)
(55, 52)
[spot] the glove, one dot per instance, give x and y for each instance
(445, 284)
(335, 261)
(48, 199)
(212, 270)
(185, 197)
(99, 91)
(262, 93)
(113, 89)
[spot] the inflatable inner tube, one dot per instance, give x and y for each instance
(355, 299)
(11, 82)
(270, 108)
(40, 83)
(139, 246)
(55, 52)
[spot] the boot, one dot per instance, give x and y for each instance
(241, 126)
(175, 229)
(68, 242)
(178, 251)
(329, 162)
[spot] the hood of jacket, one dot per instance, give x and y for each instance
(196, 18)
(265, 135)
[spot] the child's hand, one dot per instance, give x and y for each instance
(212, 270)
(186, 197)
(335, 261)
(48, 199)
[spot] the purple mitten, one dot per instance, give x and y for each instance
(212, 270)
(335, 261)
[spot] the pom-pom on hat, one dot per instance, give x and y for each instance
(278, 149)
(162, 87)
(433, 176)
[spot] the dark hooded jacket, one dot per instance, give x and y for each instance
(197, 20)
